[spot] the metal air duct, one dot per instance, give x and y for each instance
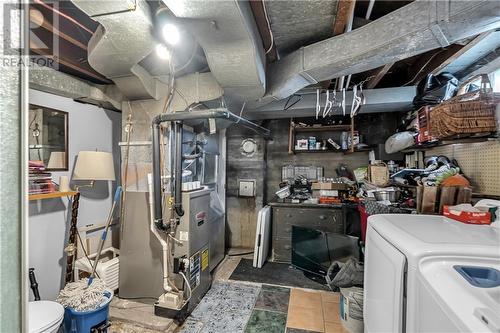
(227, 33)
(418, 27)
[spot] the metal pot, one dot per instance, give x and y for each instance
(383, 195)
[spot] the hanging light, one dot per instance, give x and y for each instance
(162, 52)
(170, 33)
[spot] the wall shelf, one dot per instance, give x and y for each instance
(51, 195)
(446, 142)
(324, 128)
(348, 151)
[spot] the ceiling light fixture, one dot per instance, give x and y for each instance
(170, 34)
(162, 52)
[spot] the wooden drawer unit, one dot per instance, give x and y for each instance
(282, 249)
(283, 218)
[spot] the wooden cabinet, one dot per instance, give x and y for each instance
(329, 219)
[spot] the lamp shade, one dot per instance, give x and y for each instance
(94, 165)
(57, 160)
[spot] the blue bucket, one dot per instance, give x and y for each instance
(83, 322)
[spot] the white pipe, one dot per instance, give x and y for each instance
(164, 244)
(347, 29)
(369, 10)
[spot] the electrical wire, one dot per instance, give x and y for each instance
(187, 285)
(268, 26)
(421, 69)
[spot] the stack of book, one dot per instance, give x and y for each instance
(40, 181)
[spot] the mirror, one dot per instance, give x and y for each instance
(48, 137)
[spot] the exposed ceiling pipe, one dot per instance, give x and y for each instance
(176, 119)
(369, 10)
(388, 39)
(347, 29)
(227, 33)
(367, 17)
(121, 41)
(194, 88)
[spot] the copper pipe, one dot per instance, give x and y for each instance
(40, 2)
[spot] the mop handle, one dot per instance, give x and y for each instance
(105, 232)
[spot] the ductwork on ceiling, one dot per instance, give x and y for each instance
(413, 29)
(227, 32)
(121, 41)
(59, 83)
(194, 88)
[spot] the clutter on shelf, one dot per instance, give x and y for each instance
(444, 111)
(332, 134)
(40, 181)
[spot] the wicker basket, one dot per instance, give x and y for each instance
(468, 114)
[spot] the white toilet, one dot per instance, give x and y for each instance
(45, 316)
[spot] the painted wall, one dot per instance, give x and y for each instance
(90, 128)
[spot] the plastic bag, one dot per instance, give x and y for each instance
(433, 89)
(399, 141)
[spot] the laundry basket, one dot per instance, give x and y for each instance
(85, 321)
(107, 268)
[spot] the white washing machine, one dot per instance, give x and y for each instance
(412, 280)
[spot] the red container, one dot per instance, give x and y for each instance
(364, 221)
(467, 217)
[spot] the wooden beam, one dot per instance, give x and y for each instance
(49, 27)
(38, 49)
(460, 52)
(259, 14)
(344, 9)
(429, 61)
(380, 74)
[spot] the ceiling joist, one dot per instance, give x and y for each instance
(379, 75)
(344, 10)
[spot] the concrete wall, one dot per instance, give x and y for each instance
(265, 167)
(90, 128)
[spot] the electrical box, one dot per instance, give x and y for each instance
(246, 188)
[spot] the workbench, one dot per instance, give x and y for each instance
(325, 217)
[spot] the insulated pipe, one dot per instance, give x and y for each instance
(177, 181)
(157, 185)
(178, 117)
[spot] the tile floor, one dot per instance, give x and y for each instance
(237, 307)
(240, 307)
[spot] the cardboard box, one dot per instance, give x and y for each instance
(467, 217)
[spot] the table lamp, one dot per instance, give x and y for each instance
(57, 160)
(92, 166)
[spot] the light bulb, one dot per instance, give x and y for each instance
(162, 52)
(170, 34)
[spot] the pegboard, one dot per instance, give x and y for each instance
(479, 161)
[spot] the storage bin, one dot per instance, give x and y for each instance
(83, 322)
